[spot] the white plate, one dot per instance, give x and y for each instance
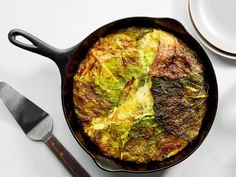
(215, 21)
(207, 43)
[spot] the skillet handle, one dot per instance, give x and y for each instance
(72, 165)
(59, 56)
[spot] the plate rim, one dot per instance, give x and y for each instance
(203, 39)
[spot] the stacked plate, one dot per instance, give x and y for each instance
(214, 22)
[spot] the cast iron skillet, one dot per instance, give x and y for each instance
(68, 61)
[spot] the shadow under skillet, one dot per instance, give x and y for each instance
(220, 59)
(226, 121)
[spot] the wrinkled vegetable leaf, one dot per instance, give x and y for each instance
(180, 104)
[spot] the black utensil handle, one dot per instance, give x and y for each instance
(72, 165)
(59, 56)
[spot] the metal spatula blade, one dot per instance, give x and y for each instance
(37, 125)
(34, 121)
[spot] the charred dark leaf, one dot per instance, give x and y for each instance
(180, 104)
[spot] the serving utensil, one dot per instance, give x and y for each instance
(37, 125)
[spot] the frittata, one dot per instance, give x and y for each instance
(140, 94)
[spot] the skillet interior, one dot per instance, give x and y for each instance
(111, 164)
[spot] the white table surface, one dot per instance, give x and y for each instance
(63, 24)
